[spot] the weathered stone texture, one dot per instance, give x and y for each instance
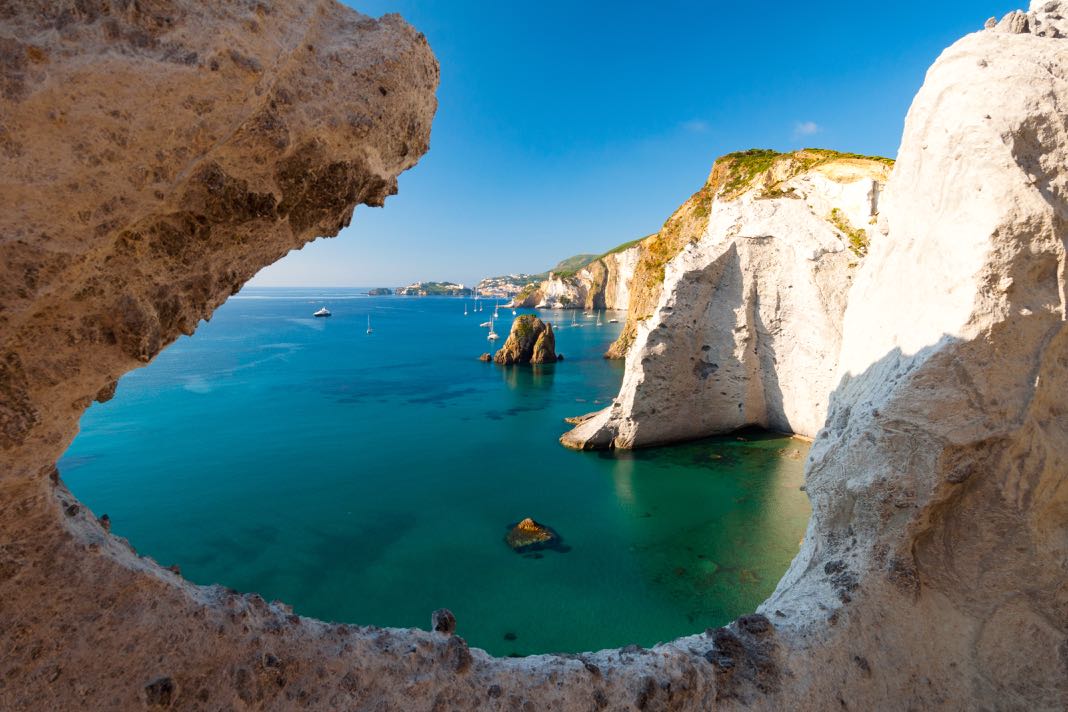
(155, 154)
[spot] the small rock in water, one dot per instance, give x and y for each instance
(510, 636)
(443, 621)
(486, 357)
(529, 535)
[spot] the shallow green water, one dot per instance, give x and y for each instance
(370, 479)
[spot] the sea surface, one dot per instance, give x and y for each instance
(371, 478)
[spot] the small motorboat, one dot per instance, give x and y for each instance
(322, 312)
(486, 324)
(613, 321)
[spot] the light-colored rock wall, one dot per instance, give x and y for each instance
(602, 284)
(748, 326)
(939, 485)
(933, 573)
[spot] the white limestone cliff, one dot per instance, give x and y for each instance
(602, 283)
(748, 325)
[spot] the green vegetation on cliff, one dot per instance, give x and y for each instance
(735, 173)
(858, 237)
(762, 170)
(573, 264)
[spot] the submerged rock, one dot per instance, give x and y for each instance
(531, 340)
(529, 535)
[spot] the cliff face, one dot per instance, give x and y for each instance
(602, 283)
(748, 319)
(530, 341)
(933, 572)
(938, 483)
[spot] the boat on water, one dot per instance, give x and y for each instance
(598, 318)
(465, 308)
(613, 321)
(492, 335)
(495, 314)
(574, 323)
(369, 329)
(485, 324)
(322, 312)
(513, 312)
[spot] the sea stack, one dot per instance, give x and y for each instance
(531, 340)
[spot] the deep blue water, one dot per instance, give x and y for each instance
(370, 478)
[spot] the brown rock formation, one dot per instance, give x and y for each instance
(530, 341)
(529, 535)
(156, 154)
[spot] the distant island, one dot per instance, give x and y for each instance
(435, 289)
(380, 292)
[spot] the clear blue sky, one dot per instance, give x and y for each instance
(567, 127)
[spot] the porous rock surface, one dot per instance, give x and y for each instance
(748, 325)
(933, 572)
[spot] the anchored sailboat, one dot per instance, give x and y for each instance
(369, 329)
(492, 335)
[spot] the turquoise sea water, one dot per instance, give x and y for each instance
(370, 478)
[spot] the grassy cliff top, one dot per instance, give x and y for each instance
(735, 173)
(587, 260)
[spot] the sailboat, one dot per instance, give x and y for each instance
(369, 329)
(465, 308)
(574, 324)
(598, 318)
(495, 314)
(513, 312)
(492, 335)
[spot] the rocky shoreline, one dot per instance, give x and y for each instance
(932, 575)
